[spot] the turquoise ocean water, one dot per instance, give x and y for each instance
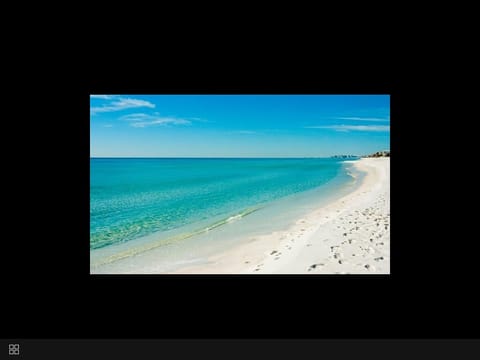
(174, 199)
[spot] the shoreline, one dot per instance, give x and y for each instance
(351, 235)
(193, 244)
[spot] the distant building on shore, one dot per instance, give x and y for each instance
(344, 156)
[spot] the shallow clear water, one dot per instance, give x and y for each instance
(134, 200)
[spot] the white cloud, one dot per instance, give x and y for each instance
(346, 128)
(120, 103)
(356, 118)
(108, 125)
(105, 97)
(143, 120)
(196, 119)
(138, 117)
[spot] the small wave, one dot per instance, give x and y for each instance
(233, 218)
(164, 242)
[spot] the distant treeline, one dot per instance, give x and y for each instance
(385, 153)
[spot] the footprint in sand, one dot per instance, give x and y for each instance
(370, 267)
(314, 266)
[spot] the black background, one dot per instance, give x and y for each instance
(47, 289)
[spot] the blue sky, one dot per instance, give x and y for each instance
(238, 125)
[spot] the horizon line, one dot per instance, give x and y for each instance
(217, 157)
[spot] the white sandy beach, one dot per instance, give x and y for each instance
(348, 236)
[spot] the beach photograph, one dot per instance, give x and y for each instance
(240, 184)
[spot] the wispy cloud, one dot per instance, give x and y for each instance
(119, 103)
(108, 125)
(161, 121)
(143, 120)
(199, 119)
(104, 97)
(357, 118)
(138, 117)
(346, 128)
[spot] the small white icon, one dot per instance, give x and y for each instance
(13, 349)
